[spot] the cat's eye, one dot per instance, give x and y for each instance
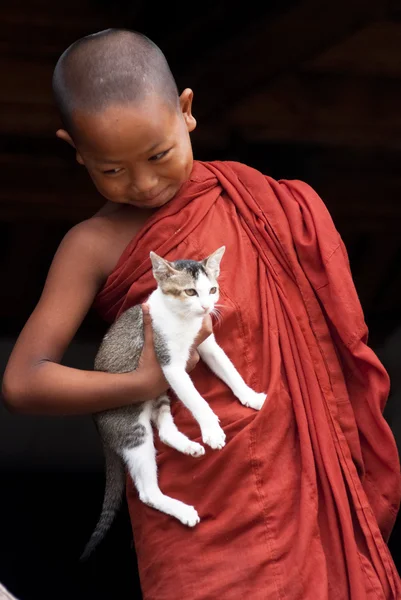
(191, 292)
(213, 290)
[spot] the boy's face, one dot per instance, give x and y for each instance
(138, 155)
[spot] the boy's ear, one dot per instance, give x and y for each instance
(62, 134)
(186, 99)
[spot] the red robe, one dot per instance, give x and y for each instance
(300, 502)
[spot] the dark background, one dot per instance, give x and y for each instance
(299, 89)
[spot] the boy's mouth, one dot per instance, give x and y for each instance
(156, 199)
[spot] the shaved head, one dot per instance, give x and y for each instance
(112, 67)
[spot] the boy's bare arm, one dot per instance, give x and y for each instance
(34, 380)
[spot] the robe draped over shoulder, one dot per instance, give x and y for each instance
(302, 499)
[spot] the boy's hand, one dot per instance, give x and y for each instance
(155, 381)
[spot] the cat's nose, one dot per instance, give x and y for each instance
(205, 308)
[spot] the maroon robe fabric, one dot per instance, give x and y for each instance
(300, 502)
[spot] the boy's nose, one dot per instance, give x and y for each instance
(145, 184)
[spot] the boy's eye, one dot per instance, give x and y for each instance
(159, 156)
(191, 292)
(113, 171)
(213, 290)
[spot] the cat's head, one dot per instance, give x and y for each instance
(188, 286)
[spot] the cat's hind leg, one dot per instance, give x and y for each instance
(140, 459)
(168, 431)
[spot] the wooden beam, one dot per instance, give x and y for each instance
(270, 47)
(329, 109)
(373, 51)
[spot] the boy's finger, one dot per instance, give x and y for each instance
(193, 360)
(207, 326)
(147, 321)
(206, 330)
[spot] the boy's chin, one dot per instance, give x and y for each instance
(157, 202)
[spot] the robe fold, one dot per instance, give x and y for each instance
(302, 499)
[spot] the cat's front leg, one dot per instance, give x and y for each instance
(181, 383)
(218, 361)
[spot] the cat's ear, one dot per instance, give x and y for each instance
(162, 269)
(212, 262)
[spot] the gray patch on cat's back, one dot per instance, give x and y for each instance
(122, 345)
(135, 437)
(118, 426)
(161, 347)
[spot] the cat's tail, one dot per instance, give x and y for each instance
(113, 495)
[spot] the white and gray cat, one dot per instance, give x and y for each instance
(187, 290)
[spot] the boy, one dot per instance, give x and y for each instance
(299, 501)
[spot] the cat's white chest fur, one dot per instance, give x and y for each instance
(179, 331)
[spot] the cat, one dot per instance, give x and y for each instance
(187, 290)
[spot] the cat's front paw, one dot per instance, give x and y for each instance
(253, 399)
(194, 449)
(213, 435)
(188, 516)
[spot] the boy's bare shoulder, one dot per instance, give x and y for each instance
(102, 238)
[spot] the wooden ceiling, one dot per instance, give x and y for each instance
(305, 89)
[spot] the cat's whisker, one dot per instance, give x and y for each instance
(218, 310)
(217, 314)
